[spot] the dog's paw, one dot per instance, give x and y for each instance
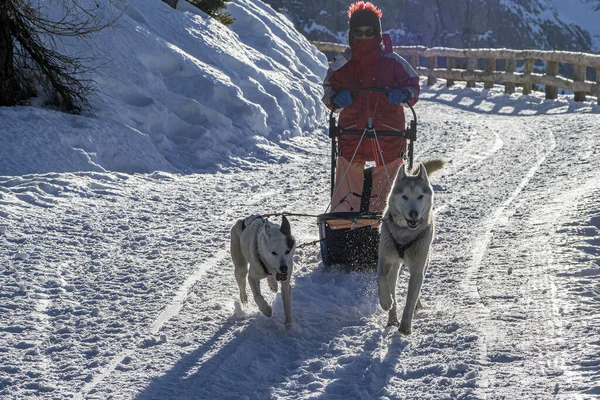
(272, 283)
(386, 301)
(244, 299)
(266, 310)
(393, 321)
(405, 328)
(288, 325)
(238, 309)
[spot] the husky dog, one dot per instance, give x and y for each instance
(269, 249)
(406, 236)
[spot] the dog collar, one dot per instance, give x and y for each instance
(262, 264)
(278, 276)
(401, 248)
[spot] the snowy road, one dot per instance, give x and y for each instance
(120, 285)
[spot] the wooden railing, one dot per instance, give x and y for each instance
(509, 77)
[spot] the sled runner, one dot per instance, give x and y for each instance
(349, 230)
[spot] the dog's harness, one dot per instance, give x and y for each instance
(260, 260)
(401, 248)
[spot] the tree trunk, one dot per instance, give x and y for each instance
(9, 87)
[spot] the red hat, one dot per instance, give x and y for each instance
(364, 13)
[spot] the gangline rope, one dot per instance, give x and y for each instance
(377, 222)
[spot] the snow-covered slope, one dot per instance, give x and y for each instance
(177, 91)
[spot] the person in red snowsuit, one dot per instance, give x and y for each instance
(370, 62)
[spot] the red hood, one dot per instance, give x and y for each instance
(365, 50)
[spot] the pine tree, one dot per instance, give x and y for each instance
(214, 9)
(29, 62)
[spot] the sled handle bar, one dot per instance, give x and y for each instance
(386, 90)
(409, 134)
(381, 90)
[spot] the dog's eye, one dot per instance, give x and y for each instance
(273, 253)
(405, 197)
(420, 197)
(287, 252)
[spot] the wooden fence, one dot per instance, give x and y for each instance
(509, 77)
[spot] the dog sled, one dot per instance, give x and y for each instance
(349, 229)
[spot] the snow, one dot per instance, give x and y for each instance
(115, 277)
(187, 95)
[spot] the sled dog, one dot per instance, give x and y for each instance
(406, 236)
(261, 249)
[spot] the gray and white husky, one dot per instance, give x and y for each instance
(268, 249)
(406, 235)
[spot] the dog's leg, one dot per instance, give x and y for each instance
(392, 279)
(385, 266)
(258, 298)
(286, 295)
(272, 283)
(420, 305)
(240, 276)
(414, 288)
(383, 290)
(240, 264)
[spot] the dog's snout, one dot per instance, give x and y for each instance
(283, 268)
(413, 214)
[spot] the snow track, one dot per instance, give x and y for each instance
(168, 312)
(492, 332)
(121, 285)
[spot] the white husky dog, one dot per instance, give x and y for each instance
(269, 249)
(406, 236)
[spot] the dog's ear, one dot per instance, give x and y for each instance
(423, 172)
(286, 229)
(402, 172)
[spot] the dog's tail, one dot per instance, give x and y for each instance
(431, 165)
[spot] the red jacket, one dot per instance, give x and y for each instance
(366, 64)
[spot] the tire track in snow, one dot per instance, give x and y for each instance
(383, 347)
(168, 312)
(177, 303)
(481, 243)
(498, 144)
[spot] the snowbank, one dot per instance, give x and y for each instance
(177, 92)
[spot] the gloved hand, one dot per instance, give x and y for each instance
(398, 96)
(342, 99)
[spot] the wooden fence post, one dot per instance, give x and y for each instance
(431, 64)
(551, 70)
(414, 61)
(511, 66)
(471, 66)
(527, 70)
(579, 72)
(490, 66)
(449, 67)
